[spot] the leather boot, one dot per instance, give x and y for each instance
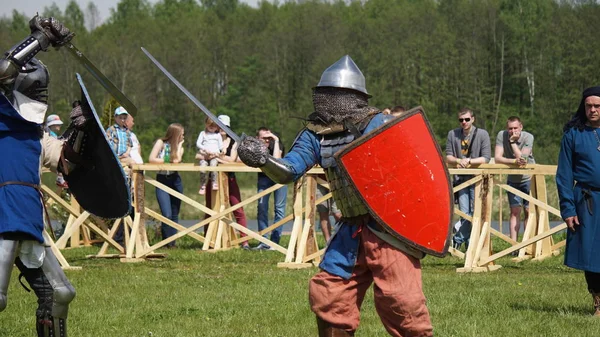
(326, 330)
(596, 297)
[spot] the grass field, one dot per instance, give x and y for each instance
(243, 293)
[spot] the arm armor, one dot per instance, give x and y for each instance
(18, 56)
(278, 171)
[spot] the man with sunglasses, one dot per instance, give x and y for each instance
(465, 146)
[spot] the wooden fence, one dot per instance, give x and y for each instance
(537, 242)
(222, 232)
(302, 250)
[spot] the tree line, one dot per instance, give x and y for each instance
(530, 58)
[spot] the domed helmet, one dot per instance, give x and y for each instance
(33, 80)
(341, 95)
(344, 74)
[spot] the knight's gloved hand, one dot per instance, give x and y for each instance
(253, 152)
(56, 33)
(79, 117)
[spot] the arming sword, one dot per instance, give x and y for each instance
(207, 112)
(100, 77)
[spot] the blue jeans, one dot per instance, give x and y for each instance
(265, 182)
(466, 198)
(169, 205)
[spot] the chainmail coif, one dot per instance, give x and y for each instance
(336, 105)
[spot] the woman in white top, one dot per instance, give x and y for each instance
(169, 149)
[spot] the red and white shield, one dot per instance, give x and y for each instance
(401, 176)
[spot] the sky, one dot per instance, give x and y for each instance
(30, 7)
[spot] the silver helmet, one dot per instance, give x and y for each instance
(344, 74)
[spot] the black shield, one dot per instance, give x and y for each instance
(100, 186)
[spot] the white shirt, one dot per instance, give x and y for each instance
(135, 150)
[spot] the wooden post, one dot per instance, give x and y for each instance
(139, 192)
(475, 230)
(500, 208)
(306, 245)
(543, 248)
(228, 232)
(297, 226)
(488, 198)
(211, 232)
(76, 233)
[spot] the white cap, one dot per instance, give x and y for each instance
(53, 120)
(224, 119)
(120, 110)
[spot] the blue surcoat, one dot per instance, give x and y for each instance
(21, 209)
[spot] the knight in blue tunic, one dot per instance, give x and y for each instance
(361, 252)
(578, 182)
(25, 149)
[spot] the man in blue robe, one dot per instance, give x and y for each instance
(578, 182)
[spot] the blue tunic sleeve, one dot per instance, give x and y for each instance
(304, 154)
(564, 176)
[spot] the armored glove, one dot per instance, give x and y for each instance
(55, 33)
(253, 152)
(79, 116)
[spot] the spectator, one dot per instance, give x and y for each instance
(325, 209)
(515, 146)
(53, 125)
(386, 111)
(169, 149)
(398, 110)
(119, 137)
(210, 144)
(136, 149)
(229, 155)
(466, 145)
(578, 182)
(275, 147)
(136, 157)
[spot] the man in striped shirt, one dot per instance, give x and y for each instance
(119, 136)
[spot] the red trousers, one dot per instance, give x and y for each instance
(399, 297)
(235, 198)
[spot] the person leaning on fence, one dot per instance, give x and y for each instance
(466, 145)
(361, 252)
(210, 145)
(515, 146)
(119, 137)
(229, 155)
(169, 149)
(275, 147)
(578, 182)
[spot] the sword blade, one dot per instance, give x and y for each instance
(207, 112)
(104, 81)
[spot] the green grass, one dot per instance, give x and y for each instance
(243, 293)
